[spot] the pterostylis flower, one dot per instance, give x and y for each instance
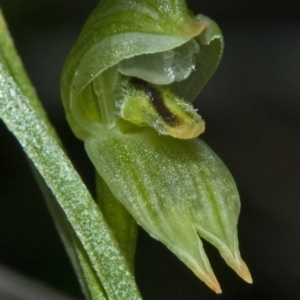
(127, 88)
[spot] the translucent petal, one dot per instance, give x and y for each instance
(163, 67)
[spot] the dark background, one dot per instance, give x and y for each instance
(252, 111)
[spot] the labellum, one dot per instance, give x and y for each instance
(127, 88)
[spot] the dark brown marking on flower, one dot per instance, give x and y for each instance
(155, 98)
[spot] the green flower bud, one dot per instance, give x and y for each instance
(127, 88)
(157, 41)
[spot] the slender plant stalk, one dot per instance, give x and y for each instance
(119, 220)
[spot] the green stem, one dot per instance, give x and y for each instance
(118, 219)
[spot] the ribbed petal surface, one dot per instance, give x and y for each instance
(175, 190)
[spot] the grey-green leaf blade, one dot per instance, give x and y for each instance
(81, 264)
(82, 213)
(83, 268)
(14, 66)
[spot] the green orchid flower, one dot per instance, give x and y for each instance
(127, 88)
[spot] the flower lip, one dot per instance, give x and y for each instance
(155, 98)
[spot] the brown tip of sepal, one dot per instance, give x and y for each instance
(210, 280)
(244, 273)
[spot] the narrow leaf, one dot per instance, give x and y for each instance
(82, 265)
(73, 197)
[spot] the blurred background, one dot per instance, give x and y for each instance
(252, 111)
